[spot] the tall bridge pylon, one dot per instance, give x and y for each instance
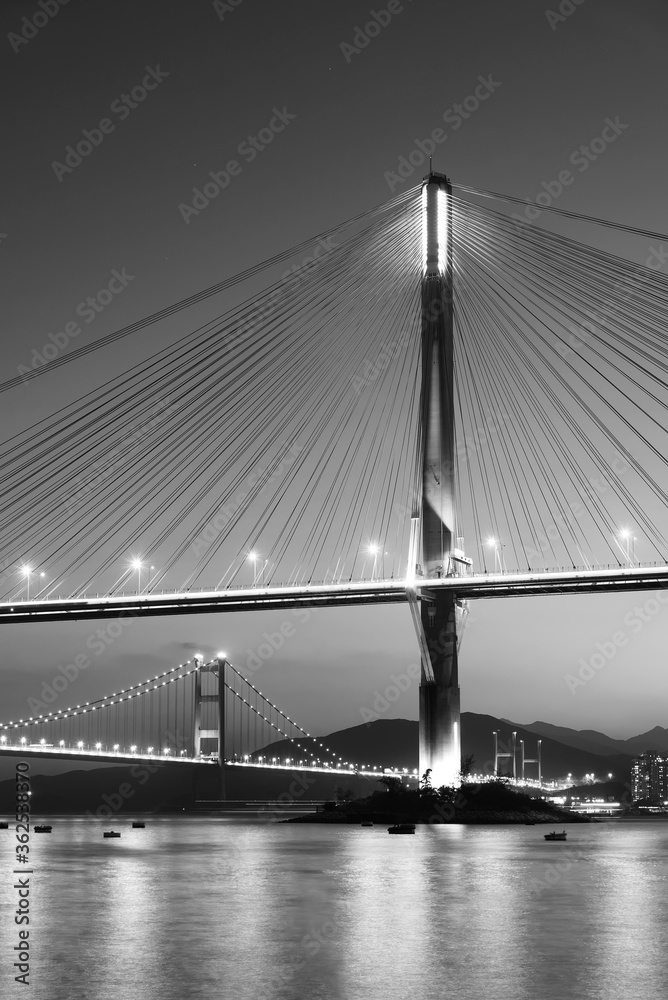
(439, 618)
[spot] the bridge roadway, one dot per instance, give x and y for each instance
(474, 587)
(112, 757)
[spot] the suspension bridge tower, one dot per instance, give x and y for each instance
(440, 617)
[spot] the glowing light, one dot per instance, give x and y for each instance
(624, 533)
(373, 549)
(150, 749)
(98, 746)
(221, 656)
(491, 542)
(80, 744)
(133, 749)
(434, 229)
(116, 746)
(137, 564)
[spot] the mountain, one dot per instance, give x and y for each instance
(106, 791)
(394, 743)
(654, 741)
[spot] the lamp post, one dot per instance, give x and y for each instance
(493, 544)
(258, 574)
(137, 564)
(373, 550)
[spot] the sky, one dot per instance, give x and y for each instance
(353, 103)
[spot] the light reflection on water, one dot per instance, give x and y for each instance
(217, 908)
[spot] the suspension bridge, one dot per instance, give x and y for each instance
(440, 370)
(213, 715)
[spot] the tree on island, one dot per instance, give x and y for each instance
(466, 770)
(391, 784)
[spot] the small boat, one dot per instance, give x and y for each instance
(555, 836)
(4, 826)
(43, 829)
(138, 826)
(402, 828)
(366, 824)
(110, 833)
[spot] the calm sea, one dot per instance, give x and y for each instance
(228, 908)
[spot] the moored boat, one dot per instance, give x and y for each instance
(555, 836)
(110, 833)
(43, 829)
(402, 828)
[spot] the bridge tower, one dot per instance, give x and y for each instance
(439, 618)
(216, 669)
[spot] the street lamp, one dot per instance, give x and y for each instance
(27, 570)
(493, 544)
(137, 564)
(373, 550)
(258, 573)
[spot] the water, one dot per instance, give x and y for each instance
(227, 908)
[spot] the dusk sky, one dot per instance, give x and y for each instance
(222, 72)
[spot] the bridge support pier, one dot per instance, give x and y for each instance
(440, 731)
(440, 615)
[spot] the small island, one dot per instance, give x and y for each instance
(486, 802)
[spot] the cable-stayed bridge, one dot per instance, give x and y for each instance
(444, 402)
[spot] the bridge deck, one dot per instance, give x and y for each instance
(476, 587)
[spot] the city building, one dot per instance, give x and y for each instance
(649, 776)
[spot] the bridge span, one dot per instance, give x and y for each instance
(473, 587)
